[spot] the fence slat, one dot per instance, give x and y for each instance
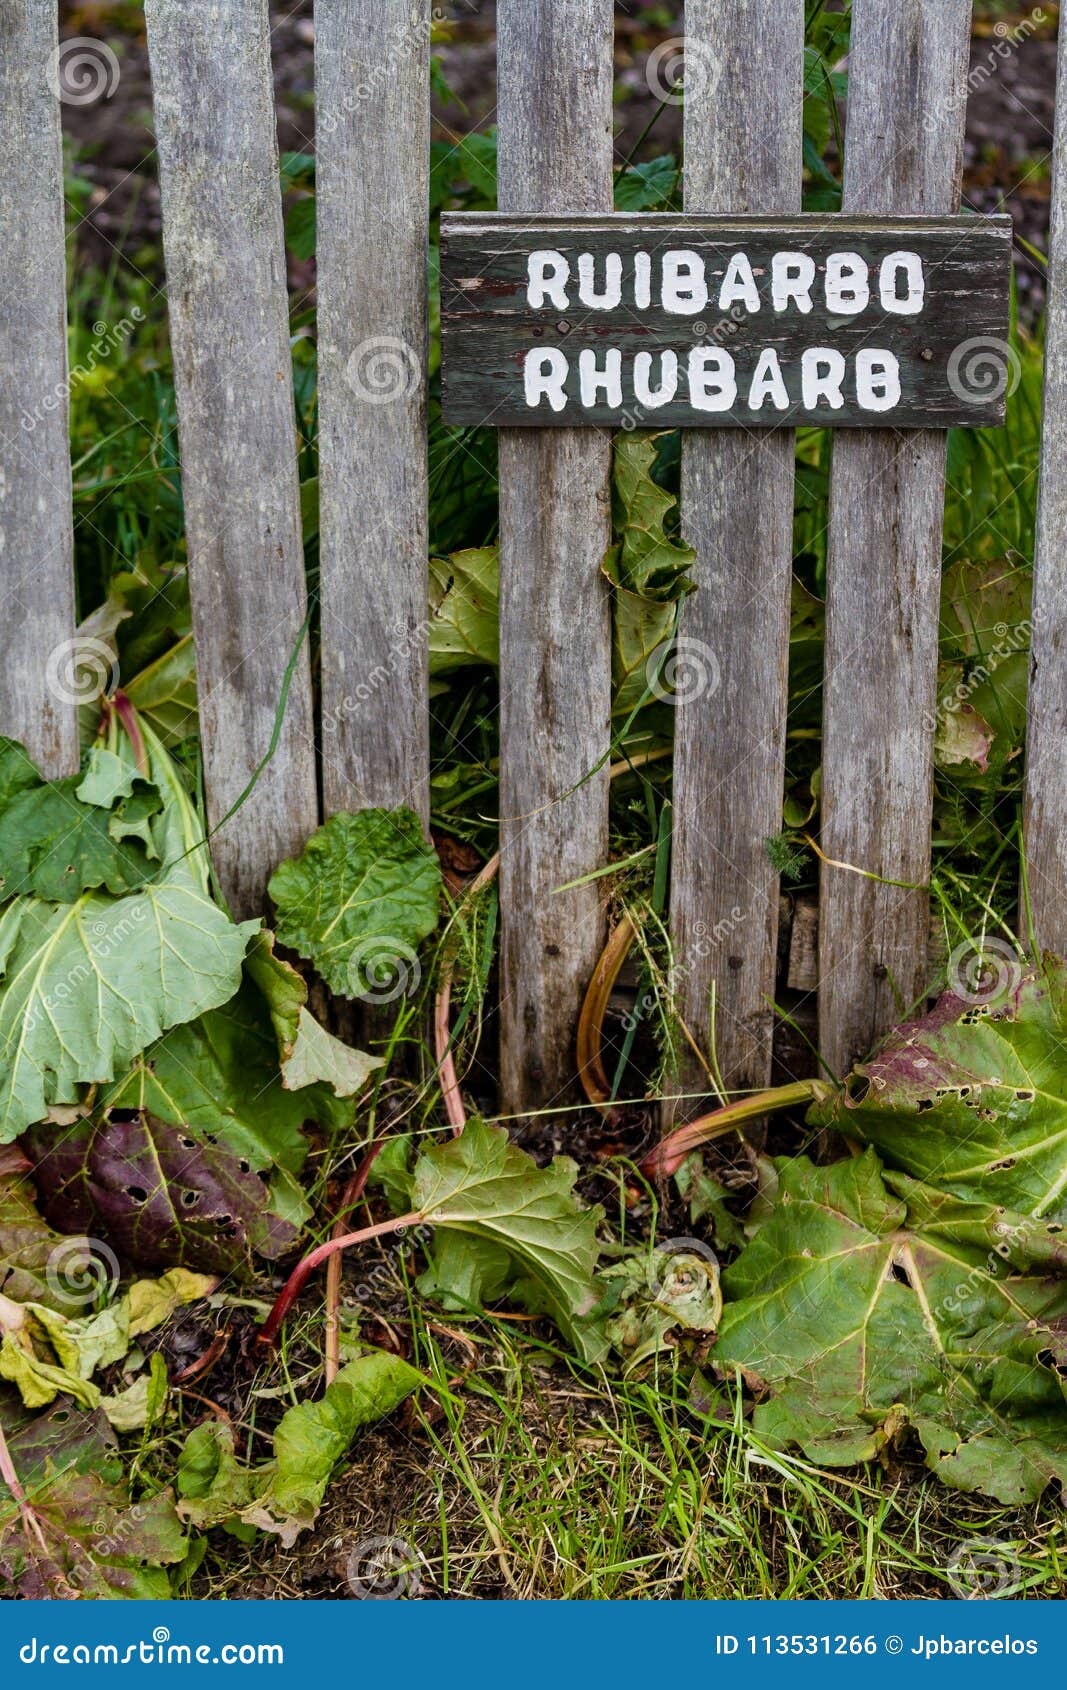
(226, 284)
(1046, 748)
(555, 81)
(903, 153)
(39, 682)
(372, 144)
(744, 68)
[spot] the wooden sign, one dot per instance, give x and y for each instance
(660, 321)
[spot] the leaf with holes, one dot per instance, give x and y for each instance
(972, 1099)
(357, 901)
(158, 1195)
(854, 1320)
(82, 1537)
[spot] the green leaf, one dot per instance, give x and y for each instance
(483, 1186)
(164, 693)
(647, 569)
(284, 1495)
(91, 1540)
(309, 1054)
(973, 1098)
(301, 227)
(854, 1324)
(56, 842)
(648, 186)
(465, 611)
(359, 898)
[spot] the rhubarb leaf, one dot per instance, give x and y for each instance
(358, 900)
(482, 1186)
(853, 1324)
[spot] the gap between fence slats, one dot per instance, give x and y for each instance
(555, 83)
(40, 682)
(744, 67)
(372, 143)
(226, 289)
(903, 153)
(1046, 749)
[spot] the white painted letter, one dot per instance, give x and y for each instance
(848, 287)
(651, 398)
(913, 301)
(822, 372)
(685, 289)
(768, 383)
(545, 373)
(642, 280)
(877, 380)
(792, 278)
(548, 274)
(739, 284)
(608, 380)
(712, 383)
(611, 298)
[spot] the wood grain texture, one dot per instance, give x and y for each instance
(1045, 813)
(226, 290)
(39, 681)
(904, 151)
(743, 147)
(554, 79)
(372, 141)
(490, 329)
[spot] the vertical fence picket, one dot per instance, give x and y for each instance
(39, 677)
(226, 287)
(903, 153)
(372, 144)
(555, 82)
(1046, 749)
(744, 68)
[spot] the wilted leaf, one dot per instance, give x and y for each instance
(483, 1186)
(647, 569)
(465, 611)
(656, 1294)
(284, 1495)
(159, 1196)
(359, 898)
(85, 987)
(972, 1099)
(854, 1324)
(93, 1542)
(27, 1247)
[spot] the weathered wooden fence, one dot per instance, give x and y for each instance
(215, 122)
